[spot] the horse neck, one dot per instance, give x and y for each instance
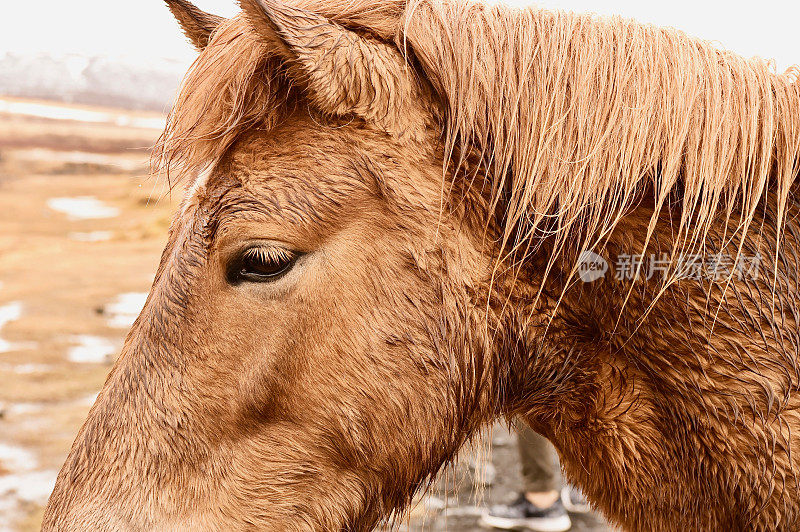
(683, 416)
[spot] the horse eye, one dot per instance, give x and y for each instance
(261, 264)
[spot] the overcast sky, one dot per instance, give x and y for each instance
(142, 29)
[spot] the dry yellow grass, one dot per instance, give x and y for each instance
(63, 284)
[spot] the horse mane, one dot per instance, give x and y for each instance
(576, 118)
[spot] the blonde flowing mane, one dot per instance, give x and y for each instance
(579, 116)
(576, 118)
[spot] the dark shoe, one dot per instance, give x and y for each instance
(522, 515)
(574, 501)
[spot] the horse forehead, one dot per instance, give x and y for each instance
(301, 161)
(296, 146)
(277, 186)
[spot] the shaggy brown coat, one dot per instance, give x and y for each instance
(427, 175)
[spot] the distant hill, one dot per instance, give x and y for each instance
(92, 80)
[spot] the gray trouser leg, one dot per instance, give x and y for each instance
(540, 468)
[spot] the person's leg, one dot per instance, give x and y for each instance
(539, 506)
(541, 471)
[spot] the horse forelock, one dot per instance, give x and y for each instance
(233, 86)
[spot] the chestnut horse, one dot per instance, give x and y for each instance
(379, 252)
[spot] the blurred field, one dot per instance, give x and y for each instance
(81, 231)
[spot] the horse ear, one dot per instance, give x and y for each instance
(346, 73)
(196, 24)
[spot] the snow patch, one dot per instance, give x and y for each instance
(81, 157)
(124, 310)
(16, 458)
(25, 369)
(92, 236)
(35, 486)
(9, 313)
(89, 400)
(83, 208)
(59, 112)
(91, 349)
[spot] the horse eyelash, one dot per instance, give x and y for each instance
(268, 255)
